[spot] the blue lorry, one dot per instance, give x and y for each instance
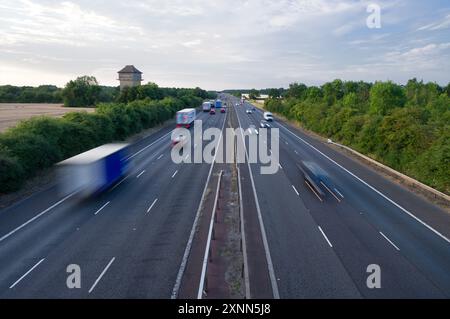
(218, 104)
(94, 171)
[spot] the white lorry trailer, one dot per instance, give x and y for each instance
(185, 118)
(206, 106)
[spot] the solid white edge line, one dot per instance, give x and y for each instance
(35, 217)
(201, 284)
(98, 211)
(390, 242)
(187, 250)
(101, 275)
(371, 187)
(325, 236)
(273, 280)
(26, 274)
(151, 206)
(296, 191)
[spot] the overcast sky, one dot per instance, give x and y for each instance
(220, 44)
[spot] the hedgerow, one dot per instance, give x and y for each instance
(40, 142)
(405, 127)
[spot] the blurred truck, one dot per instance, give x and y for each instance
(206, 106)
(94, 171)
(185, 118)
(218, 104)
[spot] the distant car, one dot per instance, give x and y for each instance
(268, 116)
(212, 112)
(252, 130)
(237, 104)
(264, 124)
(222, 110)
(249, 111)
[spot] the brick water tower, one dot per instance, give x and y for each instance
(129, 76)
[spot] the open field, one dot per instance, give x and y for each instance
(12, 113)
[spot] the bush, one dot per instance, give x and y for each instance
(100, 125)
(32, 151)
(39, 142)
(403, 127)
(11, 172)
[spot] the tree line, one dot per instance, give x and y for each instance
(86, 92)
(73, 94)
(406, 127)
(40, 142)
(27, 94)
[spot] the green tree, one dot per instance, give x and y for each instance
(351, 100)
(385, 96)
(314, 93)
(150, 90)
(333, 91)
(84, 91)
(274, 93)
(253, 94)
(296, 90)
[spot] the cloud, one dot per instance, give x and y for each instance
(439, 25)
(419, 54)
(217, 44)
(192, 43)
(64, 23)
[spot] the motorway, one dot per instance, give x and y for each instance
(131, 241)
(321, 248)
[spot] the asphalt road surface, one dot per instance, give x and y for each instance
(321, 248)
(128, 243)
(131, 241)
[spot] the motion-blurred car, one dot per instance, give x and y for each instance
(264, 124)
(179, 140)
(248, 111)
(212, 112)
(222, 110)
